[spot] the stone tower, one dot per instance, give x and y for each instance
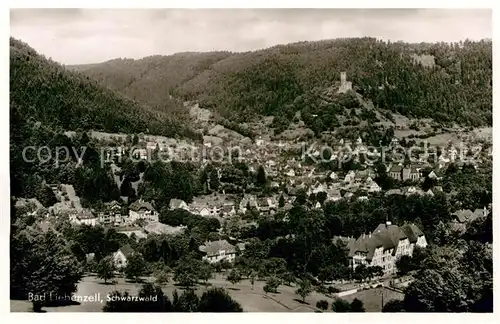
(344, 84)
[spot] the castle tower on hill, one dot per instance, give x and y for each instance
(343, 77)
(344, 84)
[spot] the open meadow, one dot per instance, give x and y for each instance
(252, 299)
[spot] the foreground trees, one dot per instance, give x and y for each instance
(404, 265)
(234, 277)
(272, 285)
(357, 306)
(341, 306)
(151, 299)
(136, 267)
(42, 267)
(218, 300)
(305, 289)
(452, 280)
(189, 270)
(106, 269)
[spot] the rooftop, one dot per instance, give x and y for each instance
(396, 168)
(463, 215)
(141, 205)
(214, 247)
(385, 235)
(126, 250)
(176, 203)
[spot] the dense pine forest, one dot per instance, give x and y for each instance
(46, 99)
(44, 91)
(449, 82)
(151, 79)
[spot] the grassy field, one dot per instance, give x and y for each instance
(372, 298)
(252, 300)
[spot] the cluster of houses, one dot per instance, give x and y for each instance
(147, 146)
(332, 184)
(462, 218)
(223, 206)
(112, 215)
(294, 174)
(140, 220)
(401, 173)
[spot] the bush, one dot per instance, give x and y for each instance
(272, 285)
(321, 289)
(218, 300)
(341, 306)
(322, 304)
(212, 300)
(393, 306)
(414, 127)
(357, 306)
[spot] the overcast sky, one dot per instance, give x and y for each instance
(73, 36)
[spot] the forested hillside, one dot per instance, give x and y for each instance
(44, 91)
(45, 100)
(447, 82)
(278, 81)
(151, 79)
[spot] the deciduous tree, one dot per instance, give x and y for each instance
(234, 276)
(106, 268)
(304, 289)
(136, 266)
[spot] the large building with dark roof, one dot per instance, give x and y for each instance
(216, 251)
(385, 245)
(141, 209)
